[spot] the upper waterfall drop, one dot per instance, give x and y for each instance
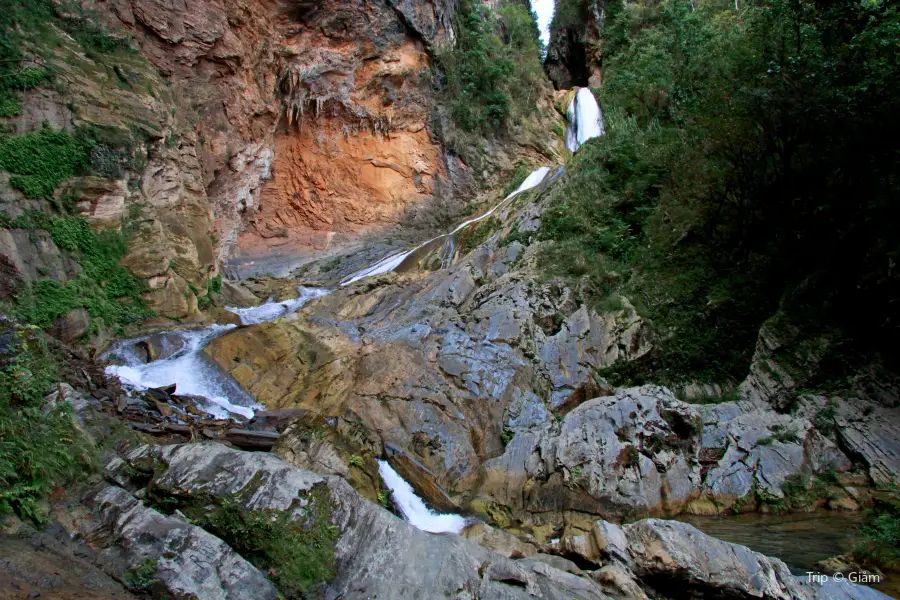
(585, 119)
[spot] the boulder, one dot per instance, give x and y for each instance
(632, 453)
(71, 327)
(185, 560)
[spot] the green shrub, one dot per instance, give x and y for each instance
(880, 543)
(38, 451)
(106, 289)
(493, 72)
(14, 79)
(824, 418)
(41, 160)
(142, 576)
(215, 284)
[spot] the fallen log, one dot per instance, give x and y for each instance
(252, 440)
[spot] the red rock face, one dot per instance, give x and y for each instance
(310, 117)
(353, 150)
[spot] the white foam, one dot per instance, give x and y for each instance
(392, 261)
(269, 311)
(585, 119)
(385, 265)
(412, 507)
(191, 371)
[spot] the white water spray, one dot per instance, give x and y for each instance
(585, 120)
(414, 509)
(269, 311)
(192, 372)
(392, 261)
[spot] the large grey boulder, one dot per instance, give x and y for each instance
(634, 452)
(186, 560)
(667, 555)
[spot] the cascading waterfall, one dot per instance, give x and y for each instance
(269, 311)
(392, 261)
(585, 119)
(414, 509)
(192, 372)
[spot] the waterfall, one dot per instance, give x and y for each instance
(193, 373)
(392, 261)
(413, 508)
(269, 311)
(585, 120)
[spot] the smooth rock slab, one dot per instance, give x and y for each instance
(190, 561)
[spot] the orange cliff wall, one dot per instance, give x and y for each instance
(355, 164)
(355, 151)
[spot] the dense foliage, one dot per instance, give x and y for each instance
(747, 168)
(493, 74)
(40, 447)
(41, 160)
(105, 289)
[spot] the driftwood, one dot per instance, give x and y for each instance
(253, 440)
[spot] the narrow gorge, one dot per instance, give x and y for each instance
(416, 299)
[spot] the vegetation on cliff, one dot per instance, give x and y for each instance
(296, 553)
(107, 290)
(40, 445)
(493, 74)
(879, 544)
(24, 20)
(38, 162)
(739, 175)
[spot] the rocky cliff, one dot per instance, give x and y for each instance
(203, 131)
(222, 129)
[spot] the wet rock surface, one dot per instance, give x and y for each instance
(377, 554)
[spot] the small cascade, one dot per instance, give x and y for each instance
(414, 509)
(392, 261)
(192, 372)
(269, 311)
(585, 119)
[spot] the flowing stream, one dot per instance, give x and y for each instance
(414, 509)
(195, 374)
(392, 261)
(192, 372)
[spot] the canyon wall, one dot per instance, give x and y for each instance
(241, 127)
